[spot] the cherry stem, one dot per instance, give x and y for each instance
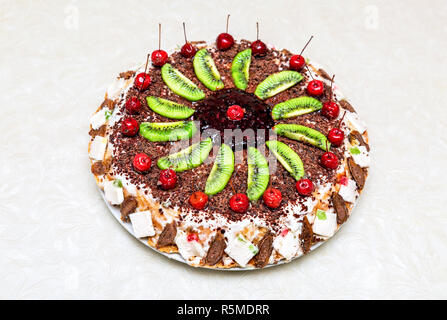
(308, 70)
(232, 187)
(184, 32)
(159, 36)
(341, 120)
(147, 61)
(257, 31)
(228, 18)
(326, 146)
(306, 45)
(332, 81)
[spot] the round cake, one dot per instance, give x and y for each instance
(233, 154)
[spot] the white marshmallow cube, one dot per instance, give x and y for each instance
(142, 224)
(188, 249)
(360, 155)
(348, 192)
(325, 223)
(98, 148)
(241, 250)
(113, 192)
(288, 245)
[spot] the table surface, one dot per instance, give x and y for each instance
(57, 238)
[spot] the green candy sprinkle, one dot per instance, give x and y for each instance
(118, 183)
(321, 215)
(354, 150)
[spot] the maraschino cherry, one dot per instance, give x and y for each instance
(272, 198)
(304, 187)
(235, 113)
(315, 87)
(239, 203)
(225, 40)
(329, 160)
(133, 105)
(188, 50)
(330, 109)
(167, 179)
(143, 80)
(159, 57)
(297, 61)
(129, 127)
(142, 162)
(258, 48)
(198, 200)
(192, 237)
(336, 135)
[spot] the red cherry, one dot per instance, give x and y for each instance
(159, 58)
(133, 105)
(235, 113)
(224, 41)
(315, 88)
(304, 187)
(239, 203)
(142, 81)
(129, 127)
(329, 160)
(198, 200)
(188, 50)
(343, 180)
(336, 136)
(272, 198)
(330, 110)
(284, 232)
(167, 179)
(297, 62)
(192, 237)
(142, 162)
(258, 48)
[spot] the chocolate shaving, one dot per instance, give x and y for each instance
(127, 75)
(98, 168)
(306, 235)
(265, 247)
(167, 236)
(357, 173)
(101, 131)
(324, 74)
(216, 250)
(340, 207)
(127, 207)
(355, 135)
(346, 105)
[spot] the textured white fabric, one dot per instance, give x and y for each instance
(57, 238)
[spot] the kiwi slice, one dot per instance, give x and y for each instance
(276, 83)
(258, 174)
(206, 70)
(169, 109)
(287, 157)
(188, 158)
(221, 172)
(240, 68)
(303, 134)
(295, 107)
(168, 131)
(180, 84)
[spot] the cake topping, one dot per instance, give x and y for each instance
(188, 50)
(297, 61)
(287, 157)
(340, 208)
(216, 250)
(315, 88)
(239, 203)
(167, 179)
(159, 57)
(240, 69)
(336, 136)
(133, 105)
(272, 198)
(304, 187)
(329, 160)
(167, 236)
(225, 40)
(258, 174)
(206, 70)
(142, 162)
(235, 112)
(198, 200)
(258, 47)
(129, 127)
(143, 80)
(265, 247)
(330, 109)
(128, 206)
(357, 173)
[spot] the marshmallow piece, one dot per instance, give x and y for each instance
(142, 224)
(188, 249)
(360, 155)
(325, 223)
(241, 250)
(99, 118)
(355, 121)
(113, 191)
(348, 191)
(98, 148)
(288, 245)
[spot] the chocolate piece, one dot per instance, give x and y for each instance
(346, 105)
(127, 75)
(355, 135)
(98, 168)
(306, 235)
(357, 173)
(167, 236)
(108, 103)
(127, 207)
(265, 247)
(340, 207)
(324, 74)
(216, 250)
(101, 131)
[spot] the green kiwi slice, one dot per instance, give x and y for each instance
(206, 70)
(276, 83)
(169, 109)
(287, 157)
(188, 158)
(180, 84)
(295, 107)
(303, 134)
(221, 172)
(258, 174)
(168, 131)
(240, 69)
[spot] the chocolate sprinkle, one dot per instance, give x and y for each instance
(357, 173)
(167, 236)
(216, 250)
(265, 247)
(340, 207)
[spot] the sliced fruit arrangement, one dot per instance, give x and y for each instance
(169, 109)
(303, 134)
(276, 83)
(206, 70)
(221, 172)
(295, 107)
(188, 158)
(168, 131)
(240, 69)
(258, 174)
(180, 84)
(287, 157)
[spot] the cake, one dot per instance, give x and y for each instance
(232, 154)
